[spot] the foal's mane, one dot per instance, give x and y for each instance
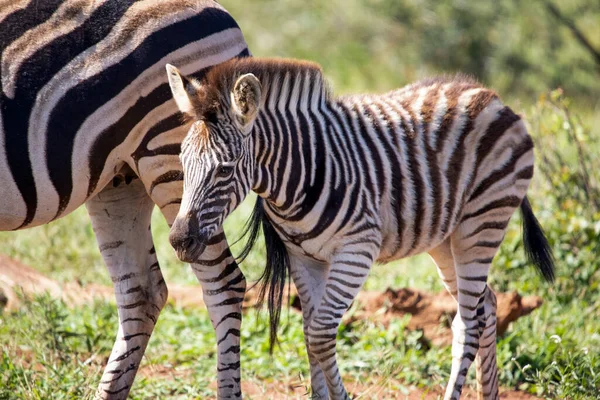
(219, 81)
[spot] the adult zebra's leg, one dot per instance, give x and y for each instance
(223, 286)
(474, 246)
(347, 274)
(121, 219)
(310, 279)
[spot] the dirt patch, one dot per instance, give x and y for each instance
(428, 312)
(433, 313)
(370, 388)
(384, 389)
(17, 278)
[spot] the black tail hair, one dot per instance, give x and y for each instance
(272, 281)
(537, 249)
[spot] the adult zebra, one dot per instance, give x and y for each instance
(439, 166)
(86, 111)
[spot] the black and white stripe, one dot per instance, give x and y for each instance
(86, 116)
(439, 166)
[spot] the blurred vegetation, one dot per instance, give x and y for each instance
(517, 47)
(556, 353)
(525, 51)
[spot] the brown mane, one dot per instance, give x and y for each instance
(219, 81)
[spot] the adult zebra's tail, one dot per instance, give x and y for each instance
(537, 249)
(271, 283)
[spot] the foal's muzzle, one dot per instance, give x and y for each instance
(189, 243)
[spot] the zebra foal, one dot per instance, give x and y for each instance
(86, 117)
(439, 167)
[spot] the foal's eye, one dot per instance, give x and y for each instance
(224, 171)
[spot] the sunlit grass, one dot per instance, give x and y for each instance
(68, 346)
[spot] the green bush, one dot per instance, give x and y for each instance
(555, 353)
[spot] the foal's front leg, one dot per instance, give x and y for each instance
(309, 279)
(223, 285)
(348, 273)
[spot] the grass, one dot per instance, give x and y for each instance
(52, 350)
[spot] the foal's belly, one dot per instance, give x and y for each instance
(394, 248)
(388, 255)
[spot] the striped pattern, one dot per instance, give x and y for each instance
(439, 166)
(86, 116)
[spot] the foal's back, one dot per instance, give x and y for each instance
(452, 149)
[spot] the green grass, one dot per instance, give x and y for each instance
(52, 350)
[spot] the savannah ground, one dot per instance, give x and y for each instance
(56, 349)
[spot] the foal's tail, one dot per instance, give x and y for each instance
(537, 249)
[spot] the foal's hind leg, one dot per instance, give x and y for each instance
(121, 220)
(474, 245)
(485, 361)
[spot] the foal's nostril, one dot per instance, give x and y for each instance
(183, 243)
(187, 243)
(180, 240)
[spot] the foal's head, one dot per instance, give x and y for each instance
(216, 154)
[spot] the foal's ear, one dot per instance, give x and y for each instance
(245, 99)
(186, 92)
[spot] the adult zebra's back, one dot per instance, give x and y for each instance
(85, 111)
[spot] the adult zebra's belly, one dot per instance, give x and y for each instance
(28, 196)
(13, 209)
